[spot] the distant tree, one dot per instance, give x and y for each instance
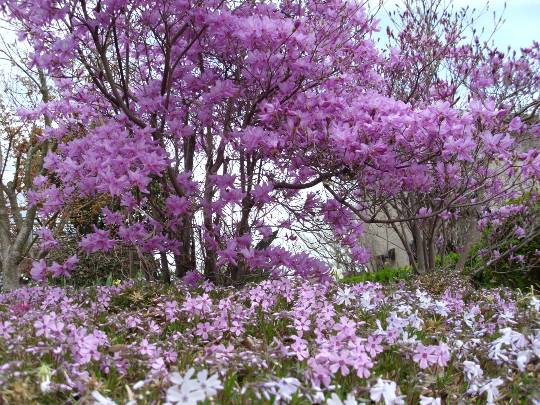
(21, 161)
(465, 145)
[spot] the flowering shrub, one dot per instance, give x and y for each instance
(287, 341)
(210, 129)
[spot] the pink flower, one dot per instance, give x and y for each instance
(302, 325)
(203, 330)
(515, 124)
(50, 326)
(340, 362)
(299, 348)
(424, 356)
(362, 363)
(192, 278)
(198, 305)
(442, 354)
(177, 206)
(236, 327)
(261, 193)
(170, 309)
(39, 269)
(345, 328)
(97, 241)
(373, 345)
(320, 373)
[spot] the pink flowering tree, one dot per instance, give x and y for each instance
(452, 136)
(169, 107)
(436, 55)
(220, 128)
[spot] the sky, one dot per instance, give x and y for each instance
(521, 26)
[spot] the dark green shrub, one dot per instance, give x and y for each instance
(508, 271)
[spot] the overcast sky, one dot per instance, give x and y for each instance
(521, 26)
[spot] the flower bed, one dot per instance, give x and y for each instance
(287, 341)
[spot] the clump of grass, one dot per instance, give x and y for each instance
(385, 275)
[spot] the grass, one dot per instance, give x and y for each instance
(384, 276)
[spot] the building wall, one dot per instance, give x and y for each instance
(381, 239)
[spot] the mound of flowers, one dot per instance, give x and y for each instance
(280, 341)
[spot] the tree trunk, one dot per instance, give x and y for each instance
(419, 247)
(15, 248)
(432, 250)
(183, 260)
(10, 270)
(165, 273)
(210, 259)
(473, 236)
(181, 265)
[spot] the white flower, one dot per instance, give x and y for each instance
(491, 390)
(102, 400)
(365, 300)
(429, 400)
(473, 388)
(185, 390)
(139, 384)
(535, 304)
(536, 345)
(287, 387)
(178, 379)
(45, 386)
(523, 359)
(415, 321)
(441, 308)
(344, 296)
(424, 299)
(335, 400)
(512, 338)
(379, 326)
(209, 385)
(496, 352)
(468, 318)
(184, 395)
(282, 389)
(406, 339)
(508, 317)
(472, 370)
(404, 309)
(385, 389)
(394, 321)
